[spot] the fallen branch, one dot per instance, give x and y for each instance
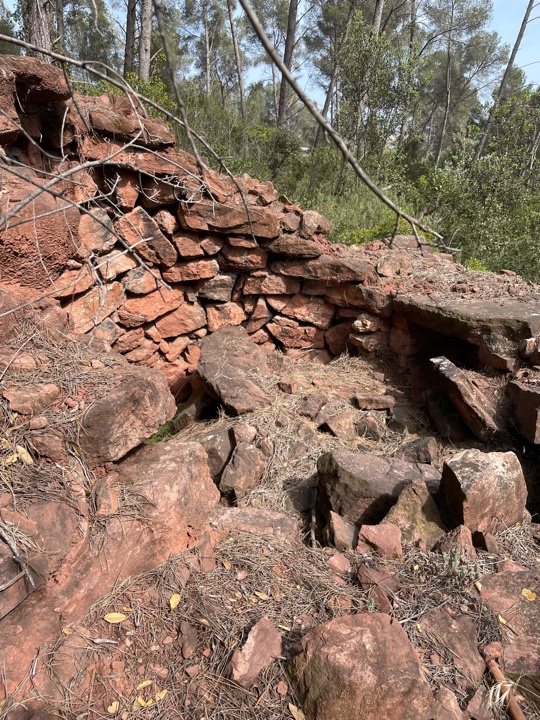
(512, 707)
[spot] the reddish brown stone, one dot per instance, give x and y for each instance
(416, 514)
(458, 541)
(290, 221)
(226, 314)
(256, 521)
(384, 539)
(484, 491)
(191, 271)
(337, 338)
(293, 335)
(149, 307)
(142, 282)
(157, 193)
(313, 223)
(231, 218)
(236, 258)
(166, 222)
(89, 310)
(264, 283)
(129, 340)
(142, 233)
(115, 263)
(73, 282)
(188, 245)
(343, 295)
(259, 316)
(339, 563)
(342, 534)
(295, 246)
(331, 268)
(262, 647)
(363, 667)
(142, 354)
(243, 472)
(31, 399)
(366, 401)
(94, 233)
(126, 189)
(309, 309)
(182, 321)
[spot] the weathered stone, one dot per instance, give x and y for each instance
(362, 667)
(264, 283)
(141, 282)
(484, 491)
(342, 534)
(313, 310)
(218, 288)
(337, 338)
(503, 594)
(95, 233)
(371, 401)
(31, 399)
(312, 404)
(262, 647)
(237, 258)
(313, 223)
(223, 315)
(293, 335)
(362, 487)
(142, 233)
(341, 425)
(259, 316)
(166, 222)
(416, 514)
(218, 447)
(331, 268)
(115, 263)
(384, 539)
(475, 408)
(49, 444)
(191, 271)
(342, 294)
(295, 247)
(158, 193)
(188, 245)
(458, 541)
(243, 471)
(73, 282)
(423, 450)
(129, 340)
(126, 189)
(525, 398)
(90, 309)
(339, 563)
(130, 412)
(231, 347)
(185, 319)
(231, 217)
(446, 705)
(256, 521)
(146, 308)
(212, 244)
(445, 417)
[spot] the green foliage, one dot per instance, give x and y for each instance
(164, 433)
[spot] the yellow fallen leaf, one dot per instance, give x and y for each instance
(478, 586)
(296, 712)
(24, 455)
(528, 594)
(261, 595)
(160, 695)
(67, 631)
(501, 619)
(126, 608)
(113, 707)
(174, 600)
(141, 701)
(11, 459)
(204, 622)
(4, 444)
(143, 684)
(418, 627)
(415, 567)
(227, 565)
(114, 618)
(284, 627)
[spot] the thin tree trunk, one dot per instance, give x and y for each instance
(290, 39)
(59, 21)
(377, 17)
(504, 80)
(37, 26)
(238, 61)
(335, 73)
(129, 52)
(145, 40)
(448, 90)
(377, 21)
(207, 51)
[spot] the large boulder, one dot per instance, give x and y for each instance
(484, 491)
(133, 410)
(362, 487)
(228, 359)
(416, 514)
(360, 667)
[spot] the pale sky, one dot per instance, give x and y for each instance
(507, 17)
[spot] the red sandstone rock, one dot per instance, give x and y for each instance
(342, 534)
(256, 521)
(344, 294)
(362, 667)
(217, 288)
(458, 541)
(115, 263)
(166, 222)
(232, 218)
(264, 283)
(127, 188)
(222, 315)
(313, 223)
(293, 335)
(185, 319)
(142, 233)
(191, 271)
(151, 306)
(92, 308)
(259, 316)
(384, 539)
(337, 338)
(131, 412)
(262, 647)
(313, 310)
(31, 399)
(157, 193)
(526, 401)
(188, 245)
(141, 282)
(243, 472)
(236, 258)
(73, 282)
(331, 268)
(416, 514)
(95, 234)
(367, 401)
(339, 563)
(231, 347)
(295, 247)
(484, 491)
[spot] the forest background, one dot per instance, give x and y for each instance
(426, 95)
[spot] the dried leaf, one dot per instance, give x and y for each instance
(143, 684)
(528, 594)
(160, 695)
(501, 620)
(261, 595)
(284, 627)
(126, 608)
(67, 631)
(478, 586)
(204, 622)
(227, 565)
(113, 707)
(296, 712)
(114, 618)
(11, 459)
(141, 701)
(24, 455)
(174, 600)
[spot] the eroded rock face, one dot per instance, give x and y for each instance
(227, 358)
(362, 667)
(484, 491)
(416, 514)
(262, 647)
(131, 412)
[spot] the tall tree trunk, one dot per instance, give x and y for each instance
(239, 72)
(129, 52)
(145, 42)
(207, 50)
(59, 23)
(335, 73)
(37, 26)
(376, 30)
(448, 89)
(377, 17)
(290, 40)
(504, 80)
